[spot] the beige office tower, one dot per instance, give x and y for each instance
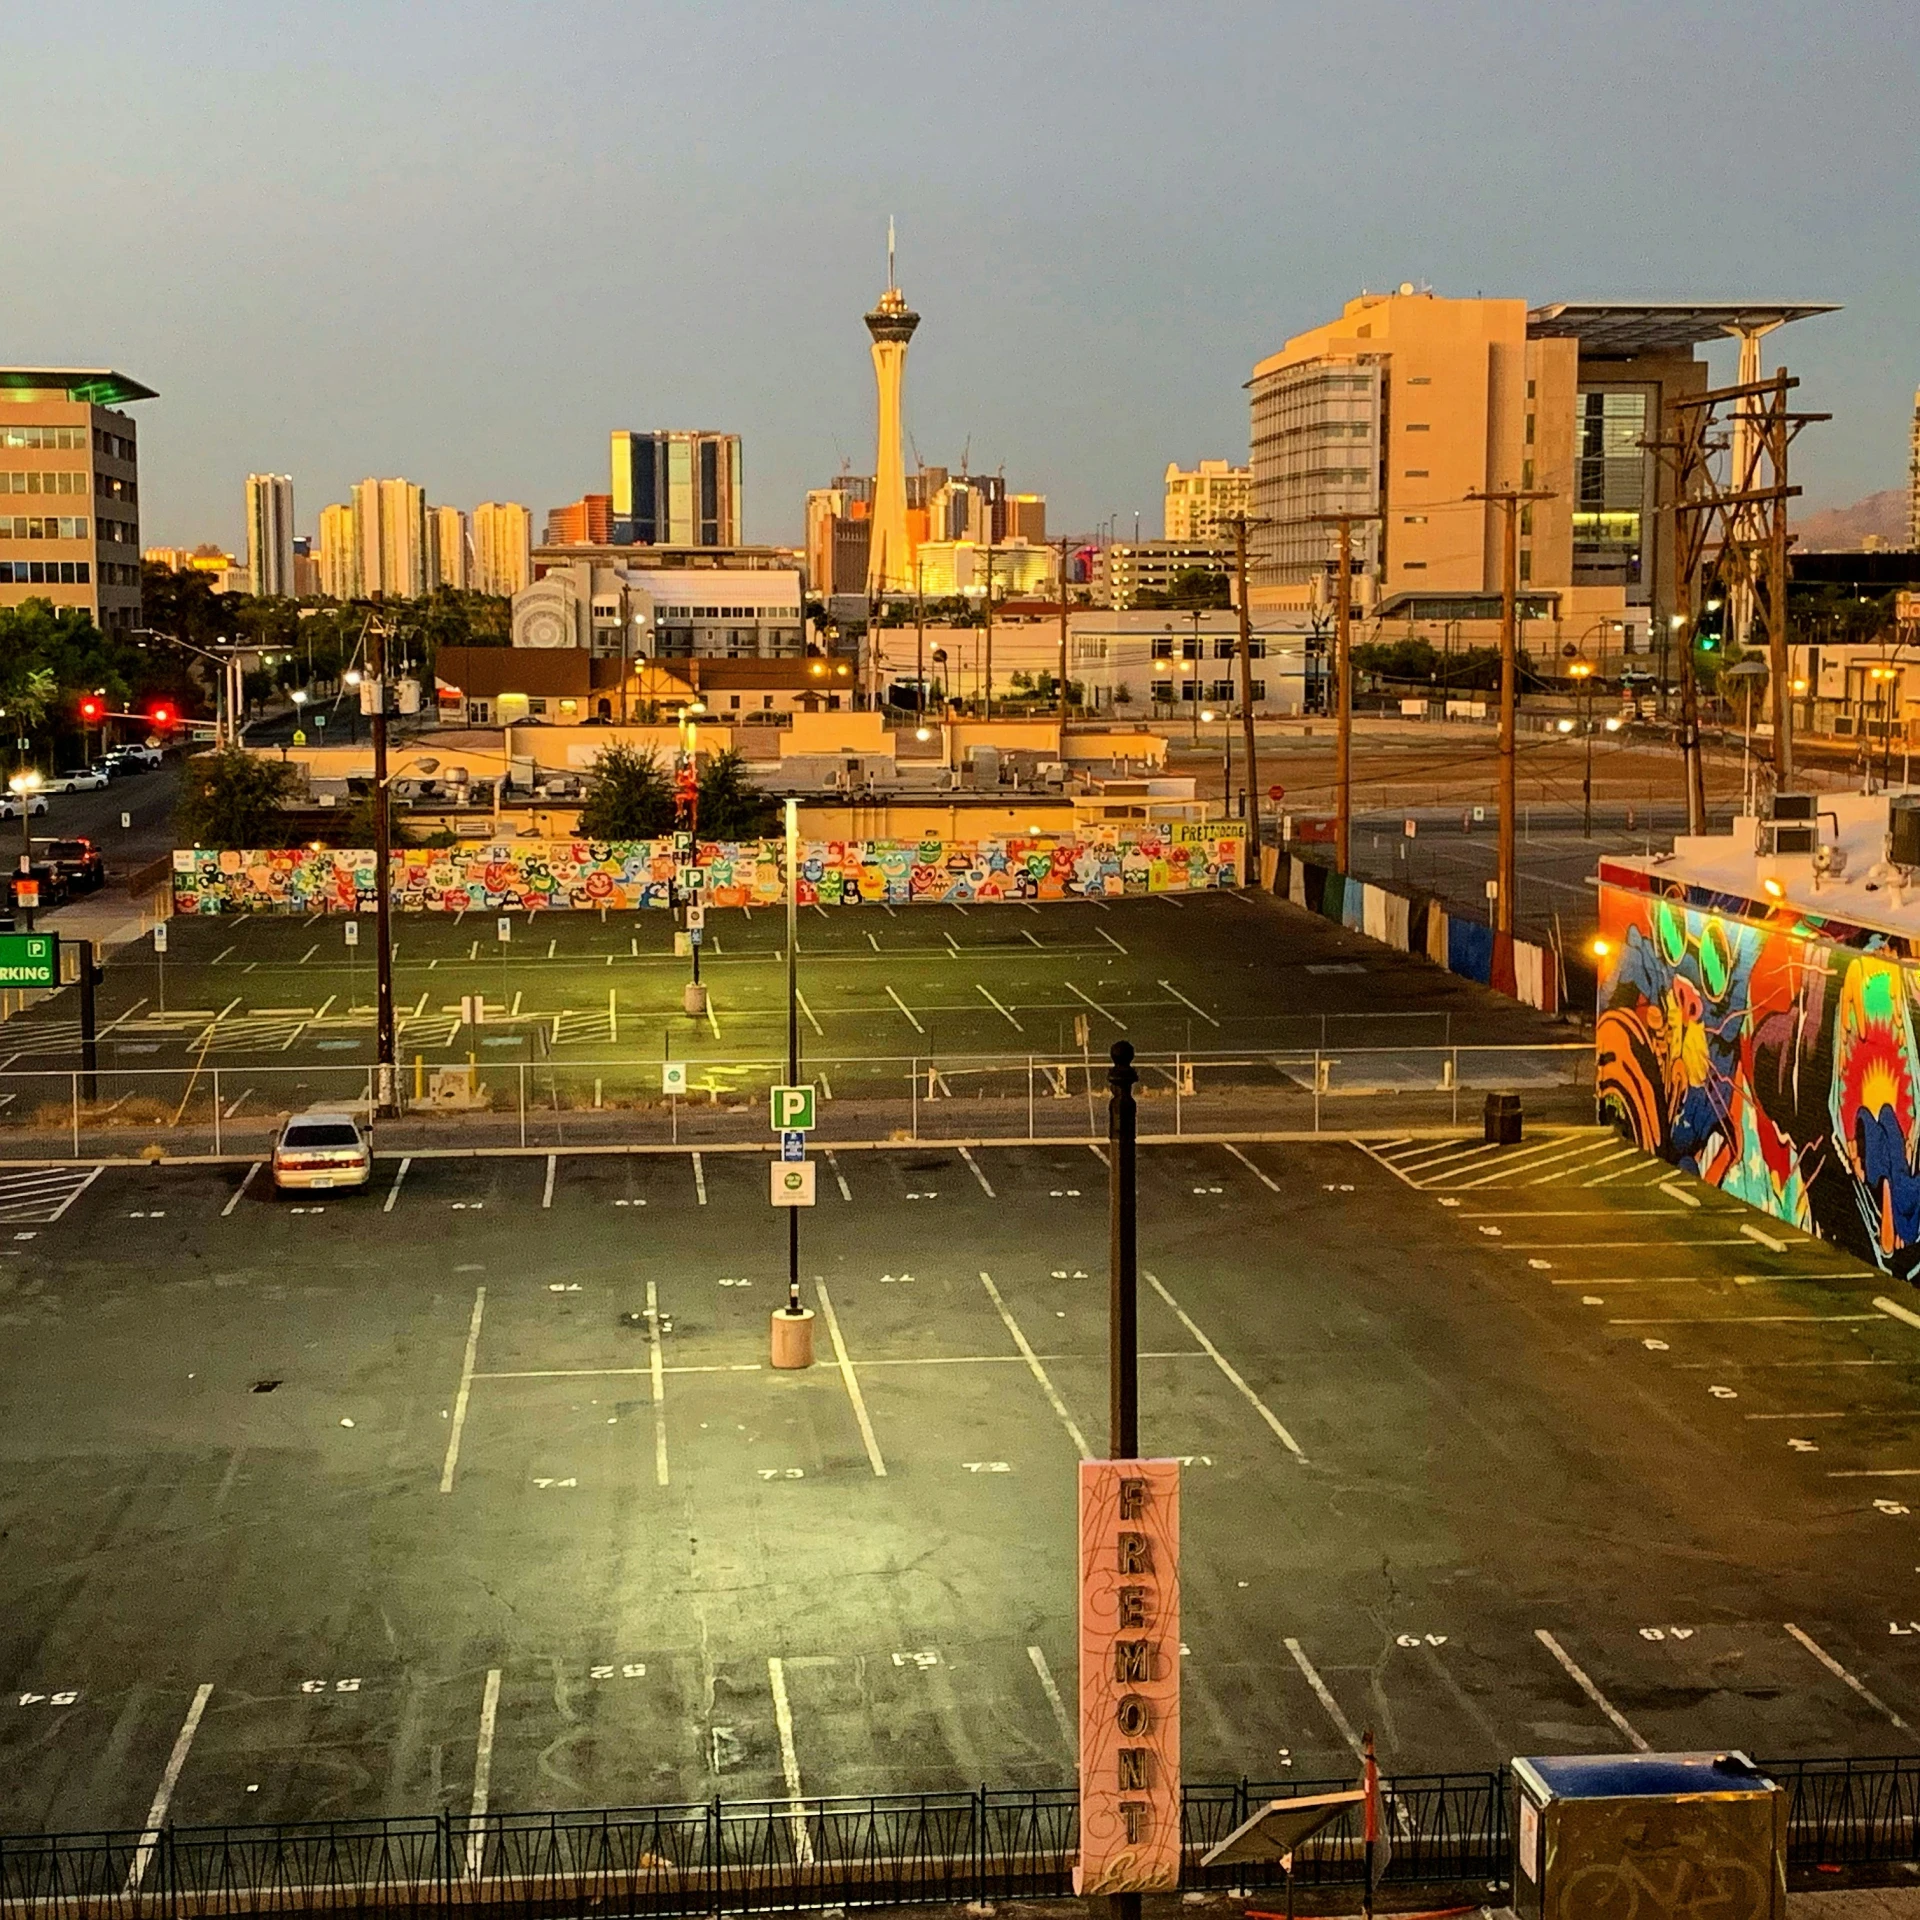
(1198, 501)
(339, 557)
(448, 564)
(891, 323)
(270, 534)
(502, 547)
(391, 518)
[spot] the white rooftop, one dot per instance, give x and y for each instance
(1866, 890)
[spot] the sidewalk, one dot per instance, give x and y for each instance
(108, 918)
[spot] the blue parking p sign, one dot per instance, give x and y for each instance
(793, 1146)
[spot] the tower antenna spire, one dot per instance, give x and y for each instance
(890, 279)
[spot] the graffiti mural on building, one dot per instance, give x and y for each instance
(575, 874)
(1775, 1061)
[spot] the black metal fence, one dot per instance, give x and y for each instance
(767, 1856)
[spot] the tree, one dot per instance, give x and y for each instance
(629, 797)
(185, 605)
(731, 806)
(1190, 587)
(234, 798)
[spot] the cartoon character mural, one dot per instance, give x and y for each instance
(1774, 1061)
(560, 875)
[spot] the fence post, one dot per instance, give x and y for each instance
(523, 1102)
(913, 1089)
(445, 1875)
(1179, 1077)
(216, 1113)
(1316, 1084)
(1029, 1096)
(1454, 1062)
(76, 1116)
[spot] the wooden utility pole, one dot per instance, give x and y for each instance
(1509, 500)
(1343, 685)
(1063, 647)
(1240, 523)
(386, 1090)
(986, 690)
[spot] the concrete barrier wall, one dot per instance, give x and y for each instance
(563, 875)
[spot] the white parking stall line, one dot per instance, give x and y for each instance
(1220, 1360)
(1430, 1153)
(1381, 1159)
(1636, 1163)
(905, 1009)
(393, 1192)
(1069, 1733)
(482, 1775)
(1560, 1173)
(1749, 1319)
(1839, 1672)
(75, 1195)
(1868, 1473)
(1772, 1242)
(1034, 1367)
(240, 1192)
(1191, 1006)
(553, 1165)
(843, 1361)
(1113, 943)
(833, 1166)
(1680, 1193)
(998, 1008)
(1096, 1006)
(808, 1011)
(163, 1798)
(1266, 1179)
(700, 1179)
(1324, 1694)
(789, 1761)
(973, 1167)
(1578, 1675)
(1525, 1160)
(1896, 1311)
(466, 1391)
(657, 1374)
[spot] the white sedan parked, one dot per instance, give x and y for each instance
(10, 805)
(318, 1151)
(78, 780)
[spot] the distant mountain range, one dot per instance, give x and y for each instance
(1880, 518)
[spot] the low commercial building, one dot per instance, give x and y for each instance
(70, 491)
(630, 612)
(1129, 568)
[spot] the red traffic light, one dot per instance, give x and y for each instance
(91, 709)
(161, 716)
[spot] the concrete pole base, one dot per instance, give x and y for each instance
(695, 999)
(792, 1337)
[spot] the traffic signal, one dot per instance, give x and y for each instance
(92, 710)
(161, 714)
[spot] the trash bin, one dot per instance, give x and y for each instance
(1503, 1119)
(1648, 1833)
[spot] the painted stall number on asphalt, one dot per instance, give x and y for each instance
(726, 1749)
(627, 1670)
(1420, 1640)
(1724, 1393)
(1892, 1508)
(781, 1473)
(986, 1466)
(330, 1686)
(1060, 1273)
(26, 1236)
(1223, 1189)
(923, 1196)
(1656, 1346)
(1804, 1446)
(1068, 1193)
(1666, 1633)
(923, 1659)
(65, 1697)
(1194, 1459)
(736, 1283)
(306, 1209)
(1449, 1203)
(562, 1286)
(1492, 1233)
(896, 1279)
(158, 1213)
(467, 1206)
(629, 1203)
(570, 1481)
(1328, 1186)
(1541, 1266)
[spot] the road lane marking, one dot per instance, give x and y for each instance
(700, 1179)
(553, 1163)
(393, 1192)
(656, 1372)
(1266, 1180)
(466, 1390)
(163, 1798)
(482, 1775)
(1324, 1694)
(239, 1191)
(998, 1008)
(790, 1762)
(1069, 1734)
(1839, 1672)
(973, 1167)
(1034, 1367)
(854, 1394)
(907, 1010)
(833, 1164)
(1220, 1360)
(1621, 1724)
(1096, 1006)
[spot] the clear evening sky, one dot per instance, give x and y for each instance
(461, 242)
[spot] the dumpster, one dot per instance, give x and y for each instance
(1648, 1834)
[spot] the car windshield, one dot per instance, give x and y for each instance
(321, 1133)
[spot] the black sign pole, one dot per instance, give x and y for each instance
(1123, 1319)
(89, 1034)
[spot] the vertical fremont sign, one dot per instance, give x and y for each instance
(1129, 1677)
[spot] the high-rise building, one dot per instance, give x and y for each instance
(270, 534)
(70, 491)
(891, 323)
(306, 569)
(586, 522)
(1198, 500)
(449, 563)
(390, 517)
(676, 489)
(339, 556)
(1025, 517)
(502, 547)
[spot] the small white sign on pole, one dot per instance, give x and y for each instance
(160, 938)
(353, 933)
(792, 1183)
(673, 1076)
(696, 917)
(503, 929)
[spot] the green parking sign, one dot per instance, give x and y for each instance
(33, 960)
(792, 1109)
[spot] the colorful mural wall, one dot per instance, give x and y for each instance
(1775, 1059)
(573, 874)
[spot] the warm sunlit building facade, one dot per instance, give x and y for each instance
(390, 518)
(502, 547)
(448, 558)
(270, 534)
(1199, 499)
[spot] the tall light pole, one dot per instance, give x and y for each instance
(793, 1027)
(1581, 670)
(23, 786)
(1343, 685)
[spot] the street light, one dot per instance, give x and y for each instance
(1580, 669)
(227, 733)
(1886, 673)
(24, 785)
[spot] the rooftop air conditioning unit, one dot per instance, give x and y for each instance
(1903, 831)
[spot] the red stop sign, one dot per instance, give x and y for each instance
(1276, 793)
